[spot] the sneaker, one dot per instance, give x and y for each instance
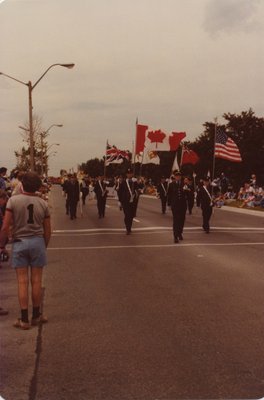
(39, 320)
(21, 325)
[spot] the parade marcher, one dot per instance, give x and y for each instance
(177, 200)
(118, 182)
(73, 195)
(140, 190)
(101, 194)
(84, 185)
(162, 191)
(29, 217)
(65, 185)
(189, 188)
(129, 192)
(205, 201)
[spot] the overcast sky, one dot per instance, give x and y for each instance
(173, 64)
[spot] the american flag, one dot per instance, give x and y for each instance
(225, 147)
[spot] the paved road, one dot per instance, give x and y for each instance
(139, 317)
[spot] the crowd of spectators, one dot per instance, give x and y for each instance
(250, 195)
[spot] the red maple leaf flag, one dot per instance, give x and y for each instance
(189, 157)
(160, 141)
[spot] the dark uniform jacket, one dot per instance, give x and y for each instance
(128, 196)
(101, 193)
(176, 195)
(160, 189)
(204, 200)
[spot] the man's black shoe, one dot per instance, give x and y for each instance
(176, 240)
(180, 237)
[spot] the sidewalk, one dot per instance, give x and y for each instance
(256, 213)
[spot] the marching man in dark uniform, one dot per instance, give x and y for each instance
(101, 195)
(204, 199)
(72, 190)
(189, 187)
(178, 202)
(129, 191)
(162, 190)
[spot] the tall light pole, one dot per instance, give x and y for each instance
(30, 107)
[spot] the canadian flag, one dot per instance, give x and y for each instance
(156, 140)
(160, 141)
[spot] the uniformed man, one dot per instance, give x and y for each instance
(205, 201)
(189, 187)
(101, 194)
(178, 202)
(162, 190)
(129, 191)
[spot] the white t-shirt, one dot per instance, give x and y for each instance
(29, 212)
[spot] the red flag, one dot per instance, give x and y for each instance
(189, 157)
(140, 138)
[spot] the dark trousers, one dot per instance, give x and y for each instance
(129, 211)
(207, 212)
(178, 220)
(85, 192)
(67, 206)
(101, 202)
(190, 202)
(163, 204)
(73, 208)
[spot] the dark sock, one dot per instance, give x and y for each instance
(24, 315)
(36, 312)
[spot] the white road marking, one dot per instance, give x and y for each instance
(158, 228)
(158, 246)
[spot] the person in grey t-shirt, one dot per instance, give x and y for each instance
(29, 219)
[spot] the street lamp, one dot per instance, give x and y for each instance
(30, 89)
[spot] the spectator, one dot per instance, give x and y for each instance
(3, 172)
(29, 217)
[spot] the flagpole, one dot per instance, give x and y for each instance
(134, 146)
(182, 149)
(140, 168)
(105, 157)
(213, 172)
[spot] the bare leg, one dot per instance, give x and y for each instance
(36, 284)
(22, 281)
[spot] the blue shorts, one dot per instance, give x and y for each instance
(29, 252)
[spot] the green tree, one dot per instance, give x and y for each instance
(93, 167)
